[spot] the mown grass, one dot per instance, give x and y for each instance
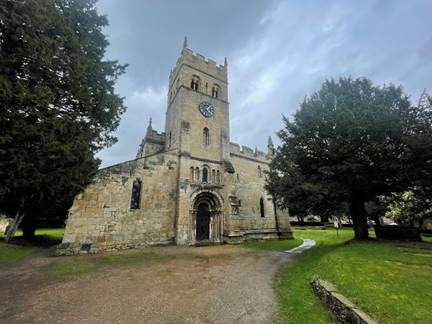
(52, 233)
(10, 253)
(76, 266)
(282, 245)
(391, 281)
(427, 238)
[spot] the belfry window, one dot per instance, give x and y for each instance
(215, 92)
(205, 175)
(136, 194)
(195, 83)
(206, 136)
(262, 207)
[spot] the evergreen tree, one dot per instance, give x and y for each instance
(57, 104)
(352, 141)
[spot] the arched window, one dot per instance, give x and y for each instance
(218, 177)
(262, 207)
(215, 91)
(206, 136)
(259, 171)
(205, 175)
(214, 176)
(170, 139)
(195, 83)
(197, 174)
(238, 177)
(136, 194)
(192, 173)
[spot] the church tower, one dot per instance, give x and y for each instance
(188, 185)
(197, 129)
(197, 116)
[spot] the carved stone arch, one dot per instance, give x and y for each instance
(214, 199)
(207, 216)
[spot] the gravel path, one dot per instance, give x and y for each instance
(225, 284)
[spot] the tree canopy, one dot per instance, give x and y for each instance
(352, 141)
(58, 103)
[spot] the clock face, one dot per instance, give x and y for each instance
(206, 109)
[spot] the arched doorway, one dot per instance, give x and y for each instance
(207, 217)
(203, 222)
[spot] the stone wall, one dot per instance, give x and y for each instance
(101, 217)
(344, 310)
(244, 190)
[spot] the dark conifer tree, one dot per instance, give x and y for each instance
(58, 106)
(348, 143)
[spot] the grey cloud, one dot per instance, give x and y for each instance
(278, 52)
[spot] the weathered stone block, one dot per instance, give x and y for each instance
(344, 309)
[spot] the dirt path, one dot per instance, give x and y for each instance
(224, 284)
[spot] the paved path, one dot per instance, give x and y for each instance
(221, 284)
(306, 245)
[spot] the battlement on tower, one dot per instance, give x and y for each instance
(199, 62)
(247, 152)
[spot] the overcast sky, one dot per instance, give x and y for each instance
(278, 52)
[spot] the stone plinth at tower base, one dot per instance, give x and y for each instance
(286, 235)
(67, 249)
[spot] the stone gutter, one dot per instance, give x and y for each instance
(344, 309)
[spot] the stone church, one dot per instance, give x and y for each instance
(188, 185)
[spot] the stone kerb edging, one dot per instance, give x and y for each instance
(344, 310)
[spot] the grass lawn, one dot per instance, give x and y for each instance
(13, 252)
(273, 244)
(52, 233)
(427, 238)
(10, 253)
(390, 281)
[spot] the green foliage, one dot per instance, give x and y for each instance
(58, 105)
(348, 143)
(410, 208)
(278, 245)
(365, 272)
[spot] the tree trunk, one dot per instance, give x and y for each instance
(377, 220)
(29, 228)
(10, 231)
(300, 219)
(324, 218)
(359, 218)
